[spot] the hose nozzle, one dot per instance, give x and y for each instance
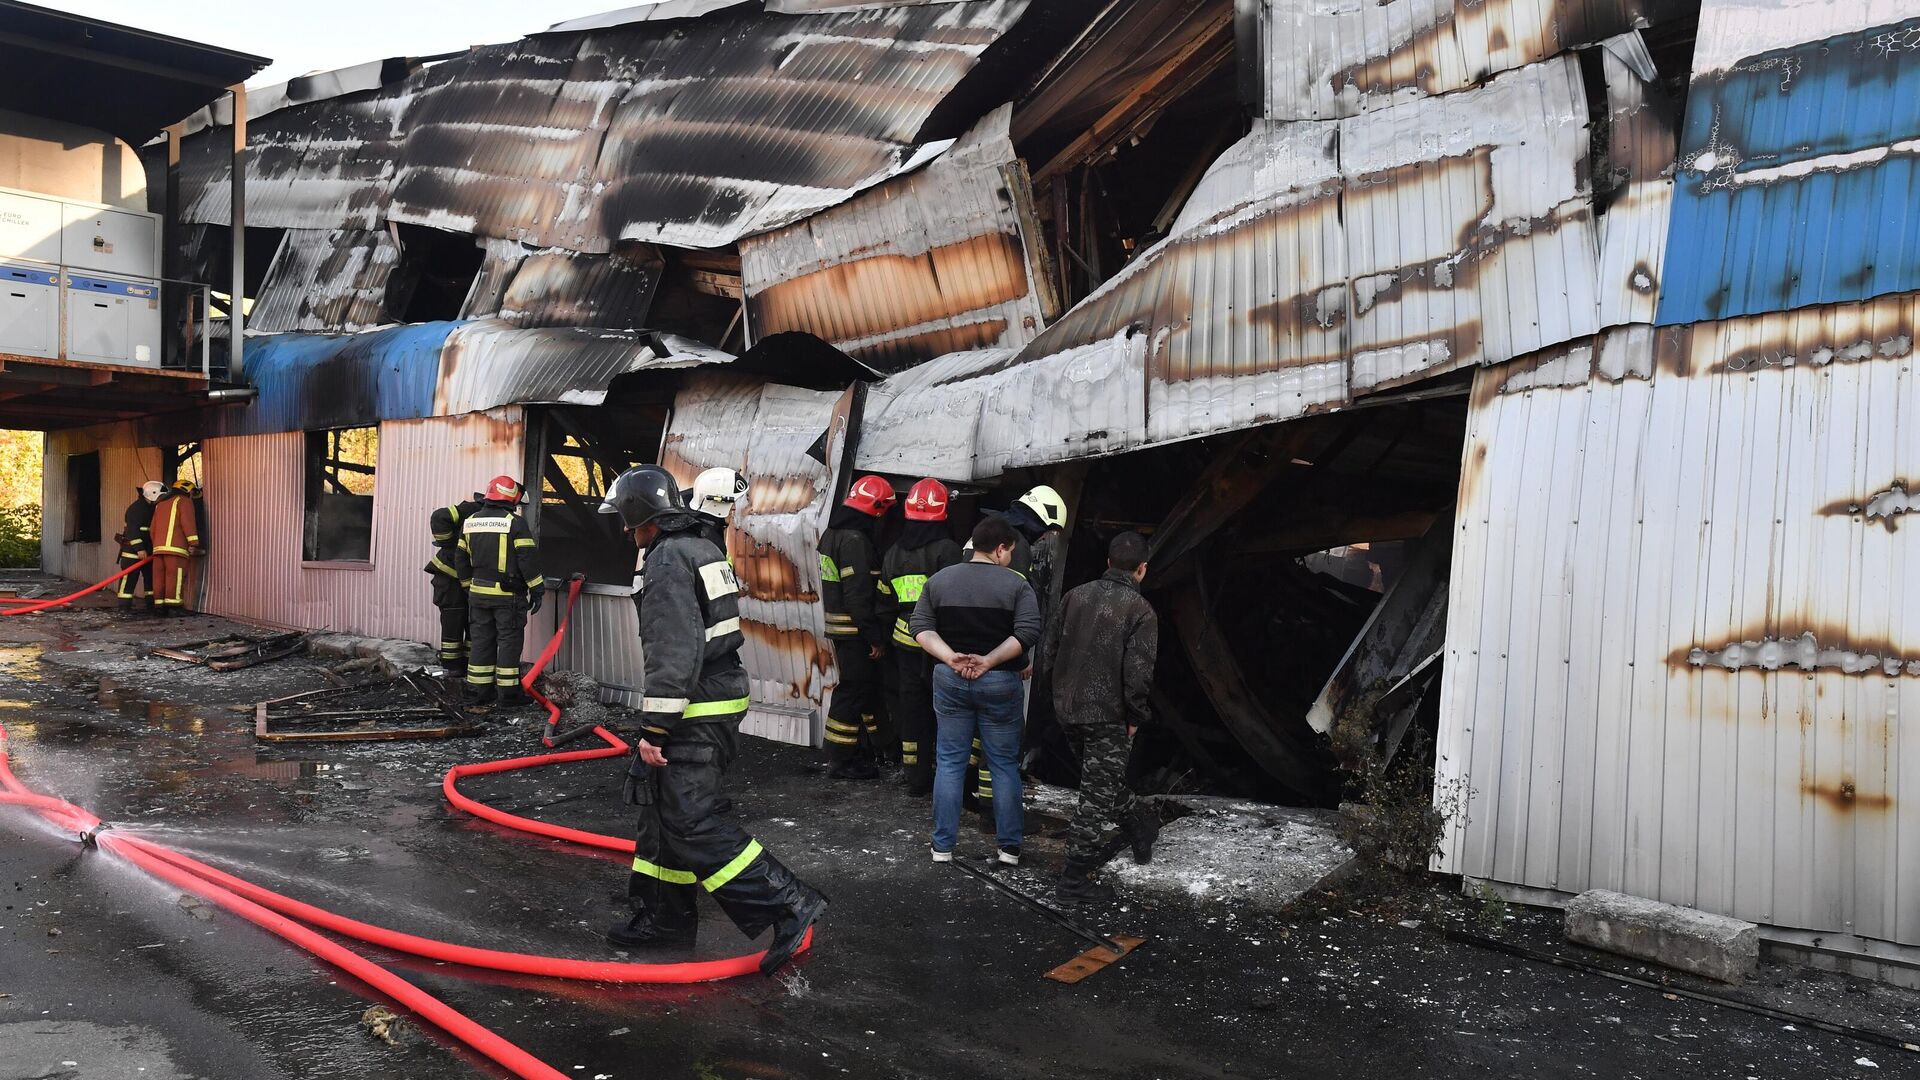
(91, 837)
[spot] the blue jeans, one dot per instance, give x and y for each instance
(992, 708)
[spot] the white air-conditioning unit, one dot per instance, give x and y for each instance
(29, 310)
(113, 319)
(123, 242)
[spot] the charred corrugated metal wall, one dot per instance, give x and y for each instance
(1677, 651)
(124, 466)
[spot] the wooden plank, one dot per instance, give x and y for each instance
(1095, 960)
(1387, 636)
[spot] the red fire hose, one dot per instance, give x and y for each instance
(287, 917)
(32, 606)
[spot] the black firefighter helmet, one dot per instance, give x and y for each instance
(643, 493)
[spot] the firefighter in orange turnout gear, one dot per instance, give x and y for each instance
(176, 537)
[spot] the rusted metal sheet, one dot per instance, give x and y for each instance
(923, 265)
(1679, 645)
(331, 280)
(1318, 261)
(691, 133)
(1799, 159)
(255, 495)
(1319, 60)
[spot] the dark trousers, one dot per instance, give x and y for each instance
(681, 845)
(130, 585)
(451, 599)
(914, 720)
(851, 728)
(498, 625)
(1104, 795)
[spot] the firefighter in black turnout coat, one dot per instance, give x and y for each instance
(695, 696)
(858, 628)
(499, 561)
(923, 550)
(449, 592)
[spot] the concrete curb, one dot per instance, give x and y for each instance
(1715, 946)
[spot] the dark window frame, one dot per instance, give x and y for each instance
(83, 498)
(603, 441)
(337, 522)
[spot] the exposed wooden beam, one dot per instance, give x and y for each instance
(1211, 48)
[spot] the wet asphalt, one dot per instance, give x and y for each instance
(920, 971)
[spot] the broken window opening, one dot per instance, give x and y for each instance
(436, 272)
(181, 462)
(700, 297)
(339, 495)
(83, 498)
(582, 451)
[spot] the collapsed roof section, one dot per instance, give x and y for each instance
(926, 264)
(687, 133)
(1319, 261)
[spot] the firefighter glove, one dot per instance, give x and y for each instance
(534, 601)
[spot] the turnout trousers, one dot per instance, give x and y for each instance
(914, 719)
(1104, 795)
(451, 599)
(130, 585)
(852, 731)
(681, 847)
(170, 581)
(498, 625)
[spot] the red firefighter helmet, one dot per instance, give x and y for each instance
(927, 501)
(870, 495)
(503, 489)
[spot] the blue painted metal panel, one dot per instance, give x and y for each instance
(313, 381)
(1798, 176)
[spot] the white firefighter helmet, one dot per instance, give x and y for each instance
(152, 490)
(716, 492)
(1047, 505)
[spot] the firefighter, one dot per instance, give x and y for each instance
(695, 695)
(499, 562)
(449, 592)
(176, 537)
(925, 547)
(849, 593)
(136, 543)
(714, 496)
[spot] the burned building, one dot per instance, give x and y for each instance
(1525, 374)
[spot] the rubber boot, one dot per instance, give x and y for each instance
(480, 698)
(1143, 828)
(791, 929)
(1076, 885)
(643, 932)
(512, 696)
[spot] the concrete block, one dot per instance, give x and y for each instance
(1716, 946)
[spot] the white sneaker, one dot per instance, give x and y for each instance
(942, 856)
(1010, 856)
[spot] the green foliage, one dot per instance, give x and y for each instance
(20, 469)
(19, 536)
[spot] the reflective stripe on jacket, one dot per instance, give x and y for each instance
(497, 555)
(849, 586)
(903, 576)
(176, 528)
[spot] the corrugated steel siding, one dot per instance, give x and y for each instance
(333, 280)
(490, 363)
(255, 491)
(1799, 162)
(689, 133)
(1680, 639)
(1317, 261)
(309, 381)
(123, 468)
(566, 288)
(1328, 60)
(1637, 184)
(927, 264)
